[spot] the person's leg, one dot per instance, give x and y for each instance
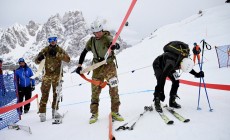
(28, 94)
(173, 92)
(45, 88)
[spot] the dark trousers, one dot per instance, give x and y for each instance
(161, 82)
(24, 92)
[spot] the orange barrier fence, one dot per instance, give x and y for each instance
(208, 85)
(8, 108)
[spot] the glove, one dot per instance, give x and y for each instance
(41, 57)
(115, 46)
(52, 52)
(78, 70)
(32, 88)
(199, 74)
(59, 55)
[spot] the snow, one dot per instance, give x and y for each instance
(136, 90)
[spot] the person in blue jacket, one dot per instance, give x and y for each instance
(25, 84)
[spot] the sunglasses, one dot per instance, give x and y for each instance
(51, 39)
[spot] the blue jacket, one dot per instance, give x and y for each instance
(23, 75)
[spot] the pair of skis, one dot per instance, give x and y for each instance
(174, 113)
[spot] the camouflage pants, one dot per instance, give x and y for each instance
(106, 72)
(45, 89)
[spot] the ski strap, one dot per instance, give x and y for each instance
(95, 82)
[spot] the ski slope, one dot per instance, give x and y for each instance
(136, 91)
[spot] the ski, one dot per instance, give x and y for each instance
(59, 120)
(165, 118)
(177, 115)
(125, 127)
(19, 127)
(39, 70)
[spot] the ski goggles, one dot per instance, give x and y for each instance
(51, 39)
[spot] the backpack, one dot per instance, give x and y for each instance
(178, 48)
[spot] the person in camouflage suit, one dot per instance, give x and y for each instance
(53, 55)
(99, 45)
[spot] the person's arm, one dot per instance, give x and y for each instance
(40, 56)
(62, 55)
(167, 69)
(82, 57)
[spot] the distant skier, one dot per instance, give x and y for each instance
(2, 85)
(98, 45)
(25, 84)
(53, 55)
(175, 57)
(196, 53)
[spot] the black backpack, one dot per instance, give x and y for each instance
(177, 47)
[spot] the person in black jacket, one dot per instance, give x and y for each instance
(165, 66)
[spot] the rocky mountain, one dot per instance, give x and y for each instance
(26, 41)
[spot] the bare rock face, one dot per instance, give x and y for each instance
(71, 29)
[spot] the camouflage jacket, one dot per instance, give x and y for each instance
(53, 63)
(100, 46)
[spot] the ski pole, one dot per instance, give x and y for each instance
(201, 65)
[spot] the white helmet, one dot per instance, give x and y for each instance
(51, 35)
(187, 65)
(96, 26)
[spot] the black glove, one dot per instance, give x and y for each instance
(32, 88)
(115, 46)
(199, 74)
(52, 52)
(78, 70)
(41, 57)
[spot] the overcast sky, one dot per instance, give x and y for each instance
(147, 15)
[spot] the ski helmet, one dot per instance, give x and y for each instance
(186, 65)
(1, 60)
(52, 37)
(96, 26)
(195, 44)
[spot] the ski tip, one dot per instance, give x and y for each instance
(187, 120)
(170, 122)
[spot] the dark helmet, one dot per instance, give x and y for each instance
(195, 44)
(21, 60)
(1, 60)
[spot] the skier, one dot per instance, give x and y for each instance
(98, 45)
(196, 53)
(25, 84)
(53, 55)
(165, 66)
(2, 85)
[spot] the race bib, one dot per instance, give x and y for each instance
(176, 75)
(113, 82)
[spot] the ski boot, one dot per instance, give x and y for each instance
(158, 104)
(93, 118)
(42, 117)
(55, 114)
(117, 116)
(173, 103)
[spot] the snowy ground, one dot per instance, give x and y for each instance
(136, 90)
